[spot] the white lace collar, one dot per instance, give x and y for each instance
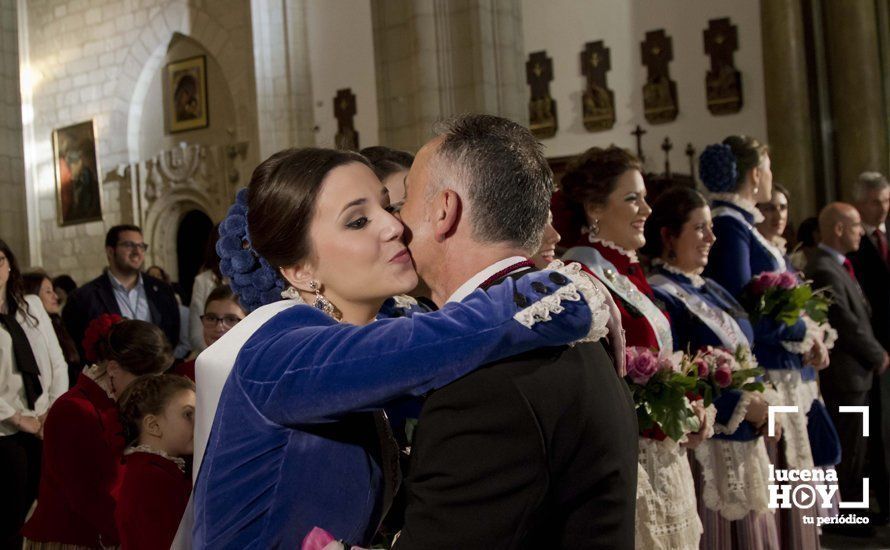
(99, 375)
(695, 277)
(735, 199)
(780, 243)
(180, 463)
(630, 254)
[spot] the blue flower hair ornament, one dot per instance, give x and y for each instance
(717, 168)
(251, 277)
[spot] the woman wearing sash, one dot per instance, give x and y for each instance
(601, 211)
(734, 466)
(737, 174)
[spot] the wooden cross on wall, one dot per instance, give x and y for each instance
(659, 92)
(598, 99)
(541, 107)
(723, 82)
(344, 111)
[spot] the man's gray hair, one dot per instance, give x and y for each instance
(502, 170)
(870, 181)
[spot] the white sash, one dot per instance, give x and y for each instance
(723, 325)
(770, 247)
(619, 284)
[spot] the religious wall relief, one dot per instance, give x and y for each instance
(344, 111)
(660, 92)
(723, 81)
(598, 101)
(541, 106)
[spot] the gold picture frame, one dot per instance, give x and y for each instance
(186, 97)
(77, 174)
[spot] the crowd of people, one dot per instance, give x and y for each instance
(442, 352)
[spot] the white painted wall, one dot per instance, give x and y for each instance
(562, 27)
(341, 55)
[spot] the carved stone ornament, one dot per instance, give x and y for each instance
(598, 100)
(660, 92)
(344, 112)
(541, 107)
(723, 82)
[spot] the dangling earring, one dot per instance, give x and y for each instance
(321, 302)
(593, 230)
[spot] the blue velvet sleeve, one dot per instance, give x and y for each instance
(313, 374)
(769, 331)
(726, 404)
(729, 262)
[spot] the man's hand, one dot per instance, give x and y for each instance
(818, 355)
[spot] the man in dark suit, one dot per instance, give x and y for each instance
(538, 450)
(123, 289)
(857, 355)
(872, 265)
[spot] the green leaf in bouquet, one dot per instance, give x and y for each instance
(753, 386)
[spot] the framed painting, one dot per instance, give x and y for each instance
(186, 94)
(78, 189)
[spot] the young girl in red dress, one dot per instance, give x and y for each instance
(82, 441)
(158, 416)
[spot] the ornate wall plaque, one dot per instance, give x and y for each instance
(541, 107)
(659, 92)
(598, 100)
(344, 111)
(723, 81)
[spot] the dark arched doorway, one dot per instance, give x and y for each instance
(191, 240)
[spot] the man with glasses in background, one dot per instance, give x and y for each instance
(123, 289)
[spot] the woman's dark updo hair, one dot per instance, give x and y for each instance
(669, 211)
(148, 395)
(748, 153)
(589, 179)
(281, 201)
(139, 347)
(386, 162)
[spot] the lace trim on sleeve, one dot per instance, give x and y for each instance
(738, 415)
(579, 285)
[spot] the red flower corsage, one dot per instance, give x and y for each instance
(96, 331)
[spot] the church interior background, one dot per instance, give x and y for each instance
(169, 104)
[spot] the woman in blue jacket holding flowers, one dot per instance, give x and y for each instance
(298, 439)
(708, 323)
(737, 174)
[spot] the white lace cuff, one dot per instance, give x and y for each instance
(813, 332)
(738, 415)
(580, 283)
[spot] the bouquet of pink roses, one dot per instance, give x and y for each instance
(784, 297)
(661, 386)
(719, 370)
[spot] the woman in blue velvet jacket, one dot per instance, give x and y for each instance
(737, 174)
(733, 501)
(298, 438)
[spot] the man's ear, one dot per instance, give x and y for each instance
(109, 252)
(447, 211)
(299, 276)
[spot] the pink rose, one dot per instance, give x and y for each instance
(787, 280)
(723, 376)
(764, 282)
(702, 367)
(641, 365)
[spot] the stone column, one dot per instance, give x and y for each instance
(13, 219)
(283, 80)
(437, 58)
(857, 106)
(788, 118)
